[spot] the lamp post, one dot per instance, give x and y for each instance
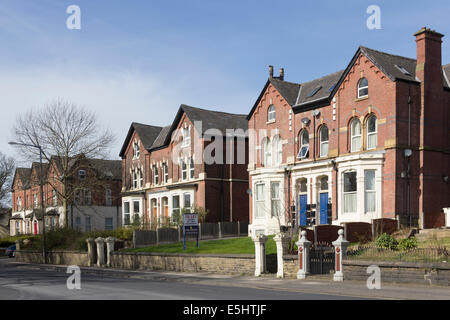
(408, 154)
(44, 253)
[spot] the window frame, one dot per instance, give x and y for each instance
(303, 145)
(370, 191)
(81, 174)
(191, 168)
(183, 167)
(166, 173)
(108, 197)
(271, 113)
(267, 152)
(360, 88)
(260, 215)
(155, 174)
(277, 146)
(374, 133)
(274, 200)
(344, 193)
(356, 136)
(322, 143)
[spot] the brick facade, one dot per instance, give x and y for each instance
(405, 95)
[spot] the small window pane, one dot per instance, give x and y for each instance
(136, 206)
(126, 207)
(350, 182)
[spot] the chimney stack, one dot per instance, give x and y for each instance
(429, 56)
(281, 73)
(270, 71)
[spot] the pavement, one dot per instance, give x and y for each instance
(35, 281)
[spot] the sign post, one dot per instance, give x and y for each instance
(190, 227)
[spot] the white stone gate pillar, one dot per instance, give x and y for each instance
(340, 249)
(91, 256)
(109, 248)
(100, 242)
(282, 242)
(303, 245)
(260, 254)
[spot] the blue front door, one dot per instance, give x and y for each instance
(302, 209)
(324, 208)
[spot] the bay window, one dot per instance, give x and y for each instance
(370, 194)
(350, 192)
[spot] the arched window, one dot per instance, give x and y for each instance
(266, 152)
(278, 149)
(363, 88)
(304, 145)
(355, 135)
(372, 132)
(271, 113)
(323, 134)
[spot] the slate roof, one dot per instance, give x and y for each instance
(298, 95)
(146, 133)
(37, 166)
(24, 174)
(325, 86)
(161, 138)
(215, 119)
(288, 90)
(109, 168)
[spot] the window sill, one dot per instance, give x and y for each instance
(362, 98)
(271, 121)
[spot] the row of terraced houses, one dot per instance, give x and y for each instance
(367, 142)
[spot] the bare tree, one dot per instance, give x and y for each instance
(67, 134)
(7, 165)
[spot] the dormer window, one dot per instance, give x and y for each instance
(136, 150)
(271, 113)
(363, 88)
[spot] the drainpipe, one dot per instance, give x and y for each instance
(409, 159)
(335, 168)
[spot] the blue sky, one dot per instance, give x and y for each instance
(139, 60)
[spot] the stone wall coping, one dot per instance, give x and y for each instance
(57, 251)
(290, 257)
(164, 254)
(431, 265)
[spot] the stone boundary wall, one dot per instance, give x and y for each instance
(223, 263)
(290, 266)
(53, 257)
(400, 272)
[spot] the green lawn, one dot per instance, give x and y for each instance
(224, 246)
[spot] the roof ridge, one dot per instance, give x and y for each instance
(148, 125)
(209, 110)
(389, 54)
(323, 77)
(289, 82)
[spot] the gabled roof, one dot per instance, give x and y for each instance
(146, 133)
(161, 138)
(107, 168)
(210, 120)
(324, 85)
(389, 64)
(36, 166)
(289, 91)
(24, 174)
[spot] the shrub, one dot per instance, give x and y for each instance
(407, 244)
(386, 241)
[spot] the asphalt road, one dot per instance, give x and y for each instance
(24, 282)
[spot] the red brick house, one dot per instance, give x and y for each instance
(338, 148)
(94, 206)
(173, 174)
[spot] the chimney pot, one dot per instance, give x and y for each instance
(281, 73)
(270, 71)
